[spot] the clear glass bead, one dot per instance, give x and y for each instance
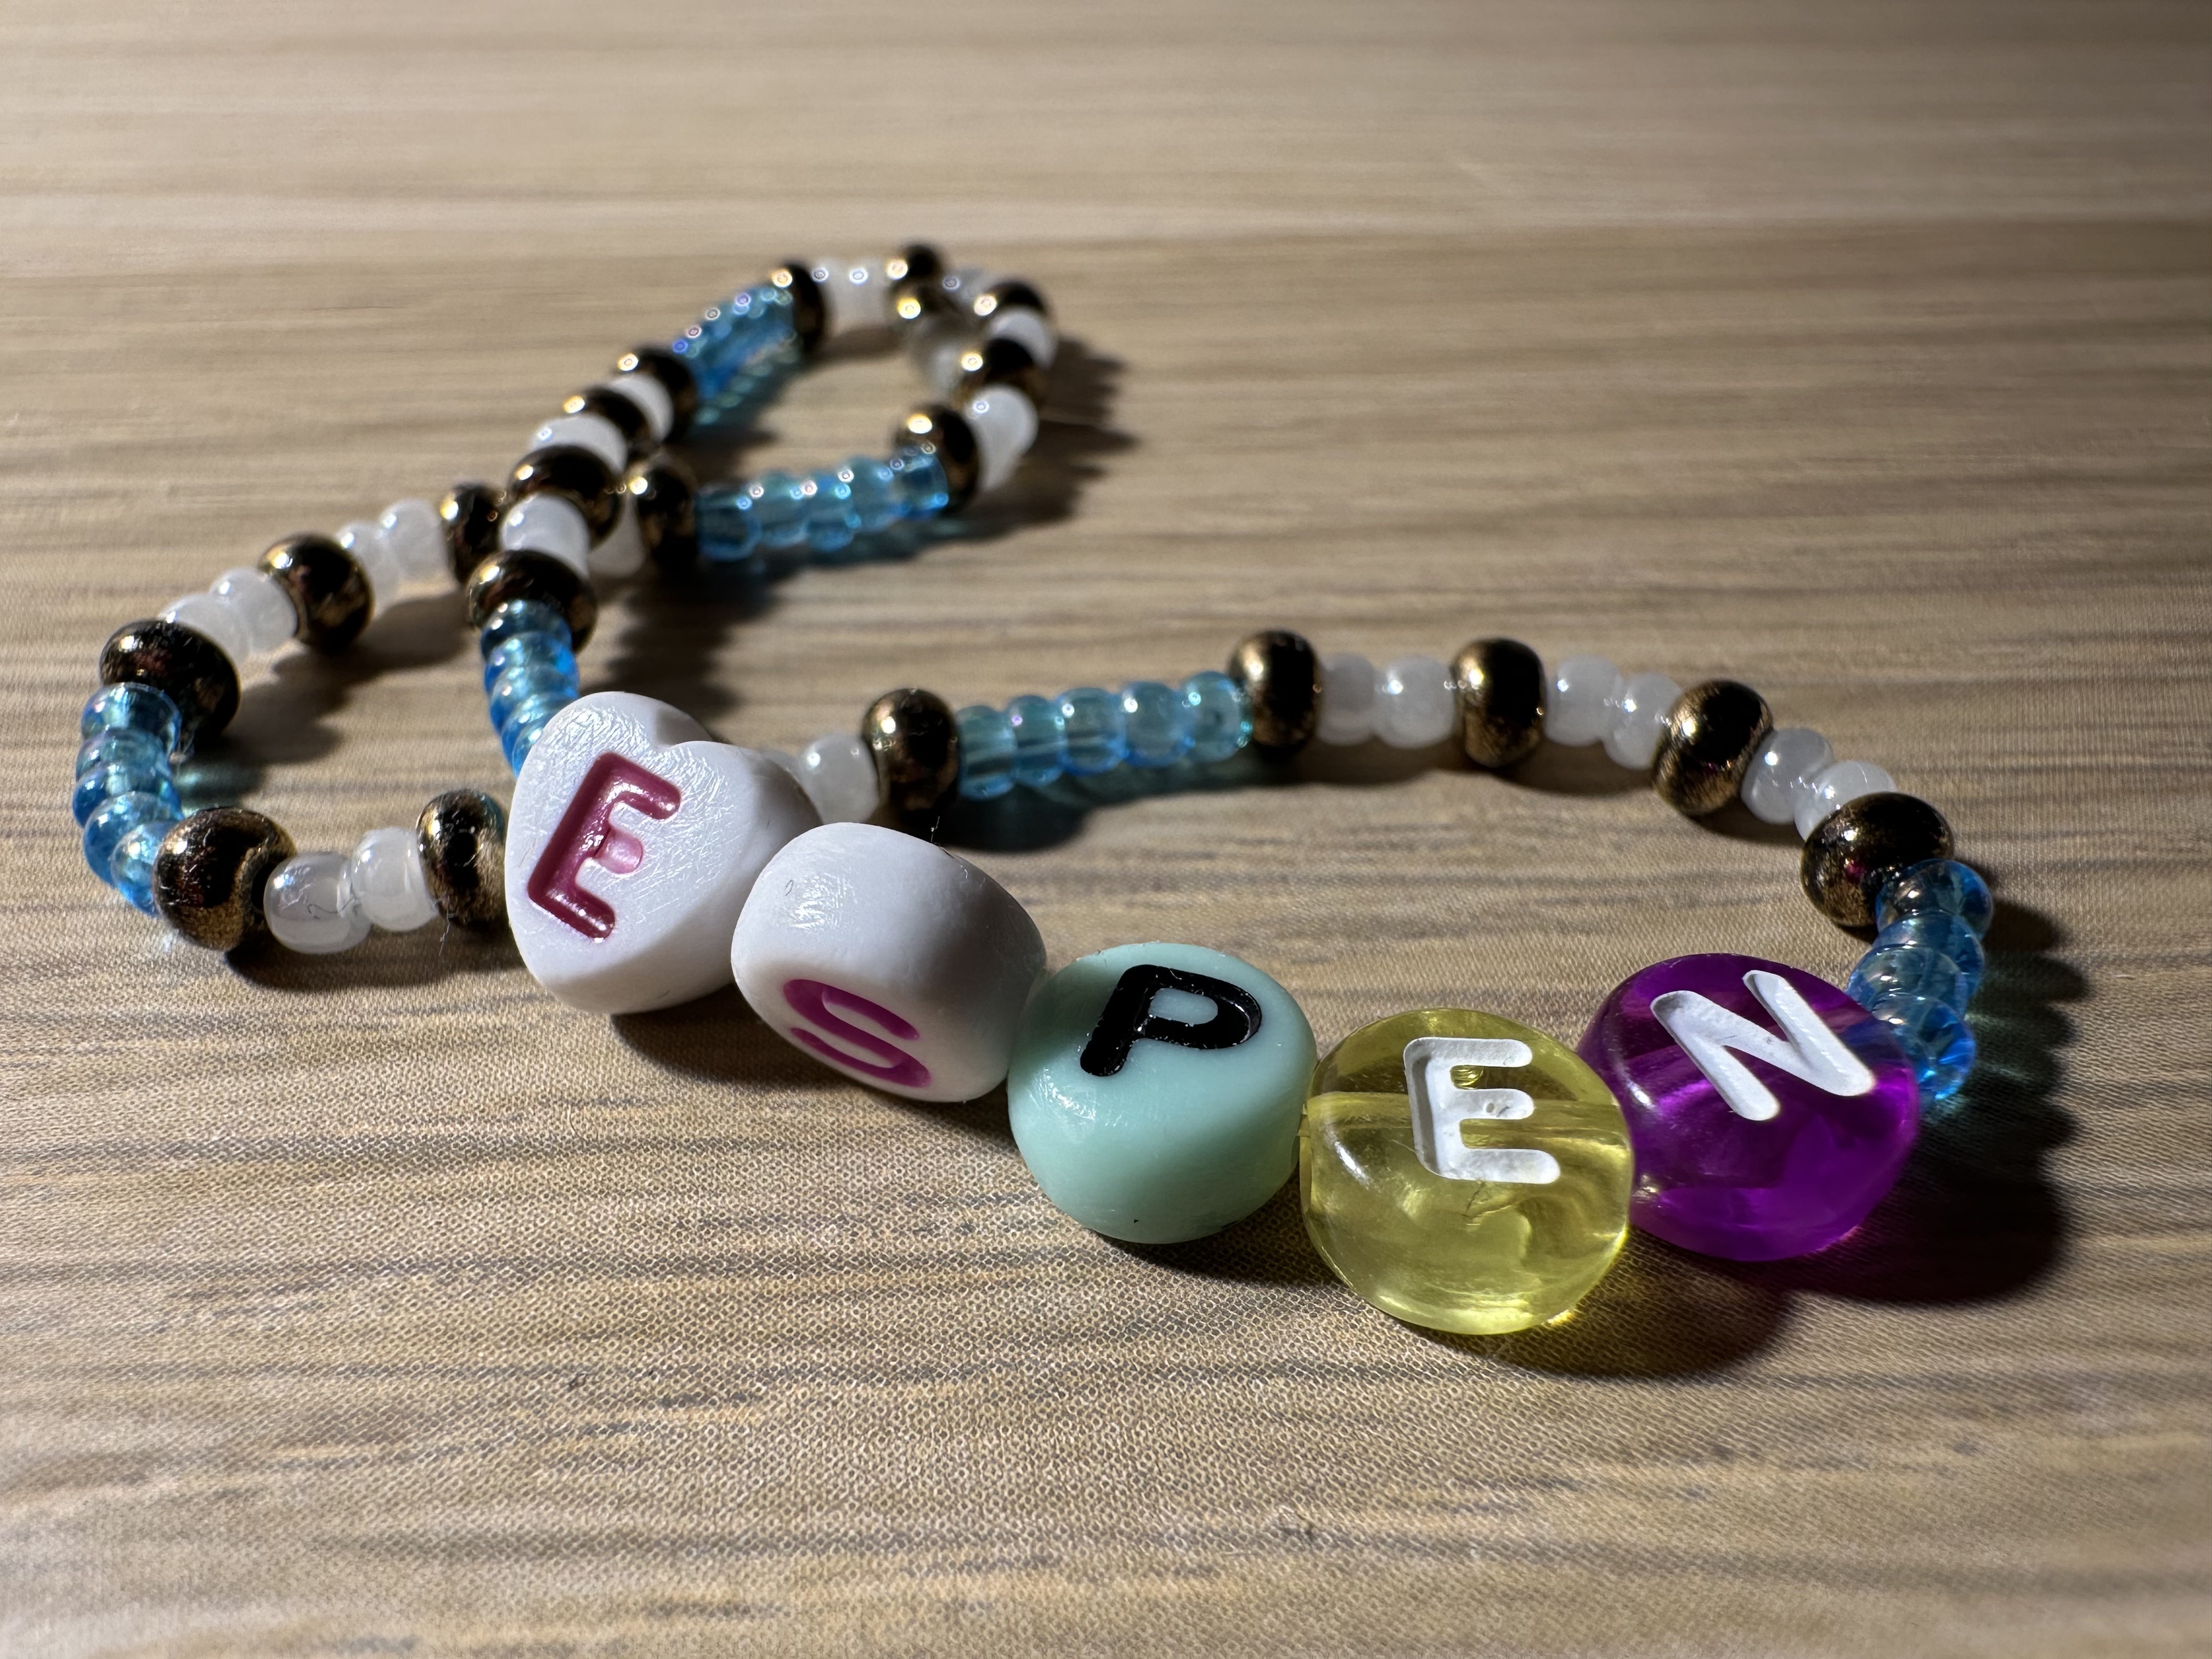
(1937, 930)
(1940, 885)
(311, 907)
(1415, 703)
(103, 782)
(1220, 719)
(1934, 1037)
(417, 540)
(519, 616)
(1782, 774)
(536, 650)
(131, 867)
(1639, 715)
(1155, 723)
(1912, 969)
(1095, 728)
(918, 484)
(264, 610)
(212, 618)
(839, 775)
(122, 746)
(1839, 786)
(1347, 699)
(114, 819)
(1579, 711)
(136, 708)
(385, 874)
(987, 753)
(1040, 740)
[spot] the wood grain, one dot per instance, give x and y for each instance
(378, 1304)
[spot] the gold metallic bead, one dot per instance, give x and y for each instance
(809, 314)
(183, 664)
(577, 475)
(618, 412)
(1281, 680)
(329, 592)
(664, 501)
(461, 839)
(1711, 736)
(1501, 687)
(917, 277)
(936, 430)
(520, 574)
(916, 259)
(675, 377)
(917, 744)
(209, 872)
(470, 513)
(1860, 845)
(1002, 362)
(1008, 291)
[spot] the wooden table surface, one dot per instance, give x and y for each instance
(378, 1304)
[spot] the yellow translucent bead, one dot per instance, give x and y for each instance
(1461, 1171)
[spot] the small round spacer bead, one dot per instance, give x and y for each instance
(936, 430)
(1501, 685)
(1006, 293)
(1280, 678)
(665, 499)
(1002, 362)
(327, 586)
(809, 312)
(577, 475)
(1860, 845)
(182, 663)
(1712, 734)
(518, 573)
(469, 513)
(675, 377)
(461, 841)
(210, 871)
(618, 412)
(915, 273)
(915, 739)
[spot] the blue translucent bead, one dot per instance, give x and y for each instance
(537, 650)
(1040, 740)
(102, 783)
(1934, 1037)
(1220, 719)
(527, 683)
(135, 707)
(729, 528)
(525, 722)
(1095, 728)
(521, 616)
(131, 867)
(987, 753)
(781, 505)
(115, 817)
(1910, 969)
(831, 520)
(918, 484)
(1155, 722)
(1935, 931)
(122, 745)
(869, 486)
(1944, 885)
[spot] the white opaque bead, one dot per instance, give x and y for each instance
(263, 609)
(218, 619)
(1415, 704)
(1021, 323)
(365, 541)
(593, 432)
(1782, 774)
(416, 538)
(1844, 781)
(1005, 422)
(652, 399)
(311, 907)
(386, 876)
(622, 552)
(854, 295)
(839, 775)
(1347, 698)
(1639, 715)
(548, 523)
(1581, 703)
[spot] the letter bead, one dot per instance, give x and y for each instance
(1464, 1172)
(1156, 1089)
(892, 960)
(1770, 1112)
(633, 843)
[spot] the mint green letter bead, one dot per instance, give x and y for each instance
(1157, 1089)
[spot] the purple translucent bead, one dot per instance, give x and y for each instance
(1768, 1111)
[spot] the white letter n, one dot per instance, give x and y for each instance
(1807, 1049)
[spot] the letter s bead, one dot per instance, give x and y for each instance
(1463, 1172)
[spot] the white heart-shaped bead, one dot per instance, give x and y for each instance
(633, 842)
